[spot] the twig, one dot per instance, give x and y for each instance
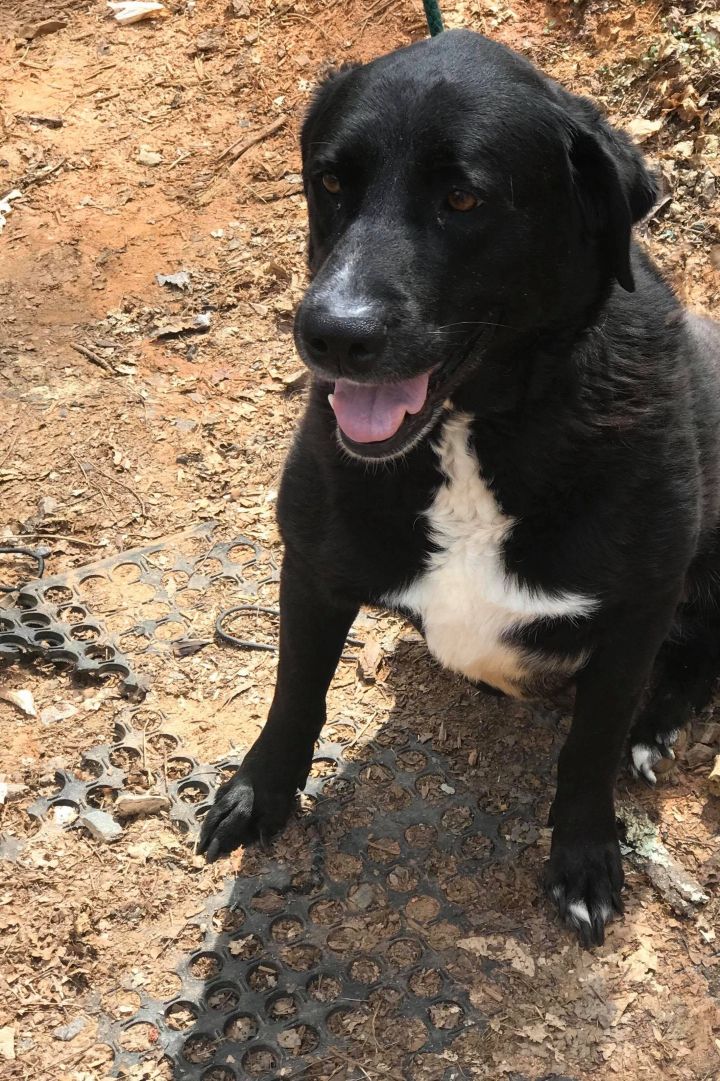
(84, 472)
(10, 449)
(127, 488)
(59, 536)
(41, 175)
(99, 71)
(307, 19)
(240, 146)
(362, 732)
(100, 361)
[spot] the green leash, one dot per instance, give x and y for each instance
(433, 16)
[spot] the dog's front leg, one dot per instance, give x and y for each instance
(257, 800)
(584, 875)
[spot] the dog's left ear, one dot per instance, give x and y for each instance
(612, 183)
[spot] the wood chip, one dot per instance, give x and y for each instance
(133, 11)
(7, 1042)
(23, 700)
(133, 805)
(38, 30)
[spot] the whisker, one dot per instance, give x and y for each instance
(475, 323)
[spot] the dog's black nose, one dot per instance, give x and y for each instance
(342, 342)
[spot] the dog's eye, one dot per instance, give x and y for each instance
(461, 200)
(331, 183)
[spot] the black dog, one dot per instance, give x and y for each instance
(512, 435)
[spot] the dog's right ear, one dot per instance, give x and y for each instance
(612, 184)
(331, 82)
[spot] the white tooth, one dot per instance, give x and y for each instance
(331, 399)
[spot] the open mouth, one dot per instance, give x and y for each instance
(382, 420)
(376, 420)
(385, 419)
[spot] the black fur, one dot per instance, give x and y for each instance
(595, 400)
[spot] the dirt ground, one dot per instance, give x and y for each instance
(121, 423)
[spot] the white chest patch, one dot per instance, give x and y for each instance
(465, 597)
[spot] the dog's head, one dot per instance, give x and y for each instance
(452, 190)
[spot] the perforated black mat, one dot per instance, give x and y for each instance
(58, 619)
(340, 930)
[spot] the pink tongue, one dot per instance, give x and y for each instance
(371, 412)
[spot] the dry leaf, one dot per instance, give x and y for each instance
(369, 660)
(640, 963)
(642, 129)
(621, 1004)
(535, 1032)
(133, 804)
(500, 948)
(22, 699)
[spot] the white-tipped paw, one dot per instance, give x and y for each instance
(645, 756)
(585, 881)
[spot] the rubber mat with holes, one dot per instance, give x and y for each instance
(57, 618)
(142, 756)
(340, 934)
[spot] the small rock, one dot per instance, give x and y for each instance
(7, 1042)
(363, 896)
(147, 156)
(706, 189)
(146, 803)
(100, 825)
(64, 814)
(209, 41)
(10, 792)
(10, 849)
(61, 712)
(38, 30)
(69, 1032)
(179, 280)
(699, 755)
(45, 121)
(707, 733)
(683, 150)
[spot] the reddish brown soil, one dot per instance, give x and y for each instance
(97, 457)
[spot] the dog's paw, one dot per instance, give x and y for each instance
(645, 754)
(245, 810)
(584, 881)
